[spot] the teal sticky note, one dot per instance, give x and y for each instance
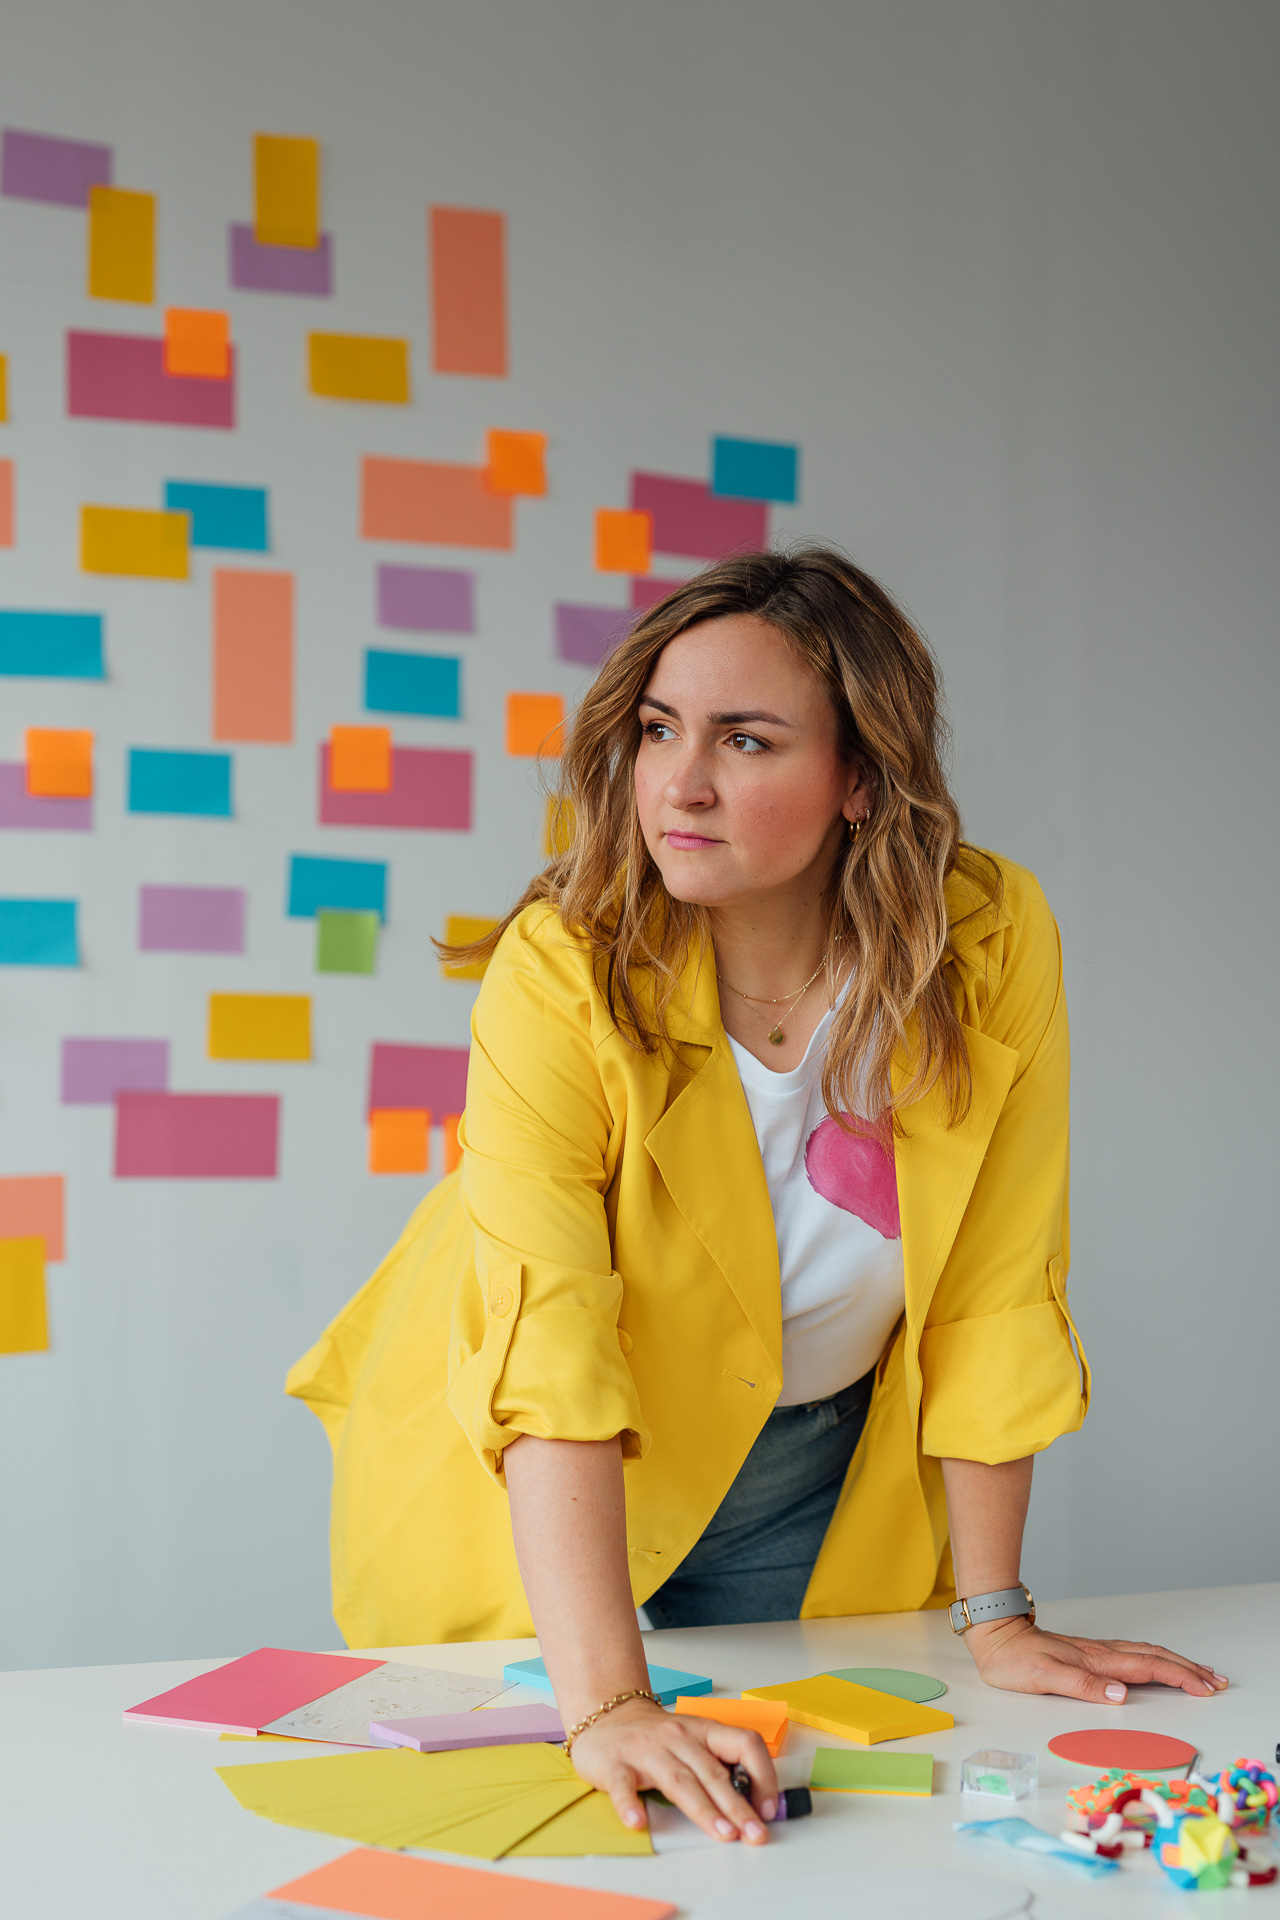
(355, 886)
(232, 517)
(667, 1682)
(51, 646)
(38, 933)
(756, 470)
(426, 683)
(346, 942)
(165, 781)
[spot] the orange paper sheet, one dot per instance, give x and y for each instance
(516, 462)
(768, 1718)
(6, 503)
(399, 1140)
(360, 759)
(60, 762)
(432, 502)
(468, 291)
(392, 1886)
(623, 540)
(197, 343)
(33, 1203)
(122, 245)
(534, 721)
(252, 655)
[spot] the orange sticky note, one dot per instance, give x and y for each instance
(432, 501)
(31, 1204)
(533, 723)
(252, 655)
(398, 1140)
(623, 540)
(60, 762)
(6, 503)
(468, 291)
(768, 1718)
(517, 462)
(452, 1147)
(460, 930)
(197, 342)
(360, 759)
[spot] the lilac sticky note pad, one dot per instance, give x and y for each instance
(191, 919)
(487, 1727)
(95, 1071)
(427, 599)
(588, 635)
(36, 812)
(40, 166)
(259, 268)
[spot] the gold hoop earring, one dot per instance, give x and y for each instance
(855, 825)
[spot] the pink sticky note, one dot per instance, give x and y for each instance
(415, 1077)
(250, 1692)
(121, 376)
(688, 518)
(32, 812)
(430, 787)
(490, 1727)
(197, 1136)
(191, 919)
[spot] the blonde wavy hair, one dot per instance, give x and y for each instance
(886, 903)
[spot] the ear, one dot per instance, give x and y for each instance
(860, 792)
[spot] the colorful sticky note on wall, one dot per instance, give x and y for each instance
(430, 788)
(354, 366)
(398, 1140)
(452, 1144)
(7, 491)
(191, 919)
(28, 813)
(121, 376)
(425, 683)
(38, 933)
(197, 1136)
(360, 759)
(259, 1026)
(4, 386)
(557, 825)
(433, 502)
(346, 942)
(588, 635)
(623, 540)
(460, 930)
(60, 762)
(434, 1078)
(34, 1203)
(134, 541)
(648, 590)
(534, 724)
(468, 291)
(163, 780)
(516, 462)
(197, 342)
(95, 1071)
(755, 470)
(286, 191)
(427, 599)
(42, 166)
(58, 646)
(233, 517)
(252, 655)
(255, 268)
(357, 885)
(24, 1325)
(689, 519)
(122, 244)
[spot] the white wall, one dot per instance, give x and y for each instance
(1008, 273)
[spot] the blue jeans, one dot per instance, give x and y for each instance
(754, 1560)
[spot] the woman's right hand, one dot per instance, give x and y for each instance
(639, 1745)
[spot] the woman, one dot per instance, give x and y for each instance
(749, 1299)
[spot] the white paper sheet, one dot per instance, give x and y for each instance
(387, 1693)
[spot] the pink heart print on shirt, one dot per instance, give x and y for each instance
(854, 1172)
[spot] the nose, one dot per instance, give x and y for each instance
(689, 787)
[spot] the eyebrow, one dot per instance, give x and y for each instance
(723, 719)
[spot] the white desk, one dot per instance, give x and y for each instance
(105, 1821)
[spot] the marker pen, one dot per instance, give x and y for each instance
(793, 1802)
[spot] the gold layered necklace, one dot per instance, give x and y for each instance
(791, 1001)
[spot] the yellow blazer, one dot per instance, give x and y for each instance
(605, 1262)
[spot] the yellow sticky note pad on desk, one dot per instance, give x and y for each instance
(852, 1712)
(259, 1026)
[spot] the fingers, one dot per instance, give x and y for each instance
(700, 1787)
(620, 1785)
(1137, 1663)
(737, 1746)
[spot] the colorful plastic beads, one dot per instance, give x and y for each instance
(1199, 1851)
(1089, 1806)
(1243, 1794)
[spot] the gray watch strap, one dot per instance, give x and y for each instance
(1003, 1605)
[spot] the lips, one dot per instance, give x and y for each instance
(690, 842)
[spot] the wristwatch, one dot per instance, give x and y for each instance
(975, 1612)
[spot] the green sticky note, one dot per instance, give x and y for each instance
(895, 1680)
(346, 942)
(836, 1770)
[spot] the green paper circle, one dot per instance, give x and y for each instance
(895, 1680)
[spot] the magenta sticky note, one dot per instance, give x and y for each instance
(430, 787)
(483, 1727)
(95, 1071)
(248, 1693)
(121, 376)
(41, 166)
(406, 1076)
(427, 599)
(588, 635)
(37, 812)
(197, 1136)
(647, 589)
(689, 518)
(191, 919)
(259, 268)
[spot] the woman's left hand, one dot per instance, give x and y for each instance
(1023, 1658)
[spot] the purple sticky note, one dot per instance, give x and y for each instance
(197, 1136)
(588, 635)
(18, 808)
(430, 787)
(483, 1727)
(40, 166)
(427, 599)
(258, 268)
(191, 919)
(95, 1071)
(417, 1077)
(689, 518)
(121, 376)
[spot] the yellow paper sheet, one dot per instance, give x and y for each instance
(286, 180)
(122, 244)
(358, 366)
(259, 1026)
(852, 1712)
(24, 1326)
(134, 541)
(590, 1826)
(4, 386)
(460, 929)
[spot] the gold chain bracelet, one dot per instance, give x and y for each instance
(607, 1706)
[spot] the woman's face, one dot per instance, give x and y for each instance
(739, 784)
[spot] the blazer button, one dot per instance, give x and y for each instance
(500, 1301)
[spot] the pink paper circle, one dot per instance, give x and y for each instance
(1125, 1747)
(854, 1172)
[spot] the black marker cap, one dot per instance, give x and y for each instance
(794, 1803)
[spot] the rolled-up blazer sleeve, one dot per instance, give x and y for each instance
(534, 1345)
(1003, 1373)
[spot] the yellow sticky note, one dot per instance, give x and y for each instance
(122, 244)
(557, 826)
(134, 540)
(24, 1324)
(259, 1026)
(286, 191)
(589, 1826)
(460, 929)
(4, 386)
(359, 366)
(60, 762)
(852, 1712)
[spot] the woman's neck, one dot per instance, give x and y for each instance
(763, 961)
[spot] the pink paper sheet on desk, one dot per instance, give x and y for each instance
(250, 1692)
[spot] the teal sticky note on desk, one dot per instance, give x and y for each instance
(667, 1682)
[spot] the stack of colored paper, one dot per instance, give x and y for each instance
(852, 1712)
(387, 1886)
(445, 1732)
(836, 1770)
(668, 1683)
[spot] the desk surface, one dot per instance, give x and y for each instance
(103, 1819)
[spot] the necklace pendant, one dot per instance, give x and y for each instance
(776, 1036)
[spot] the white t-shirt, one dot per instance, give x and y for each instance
(835, 1210)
